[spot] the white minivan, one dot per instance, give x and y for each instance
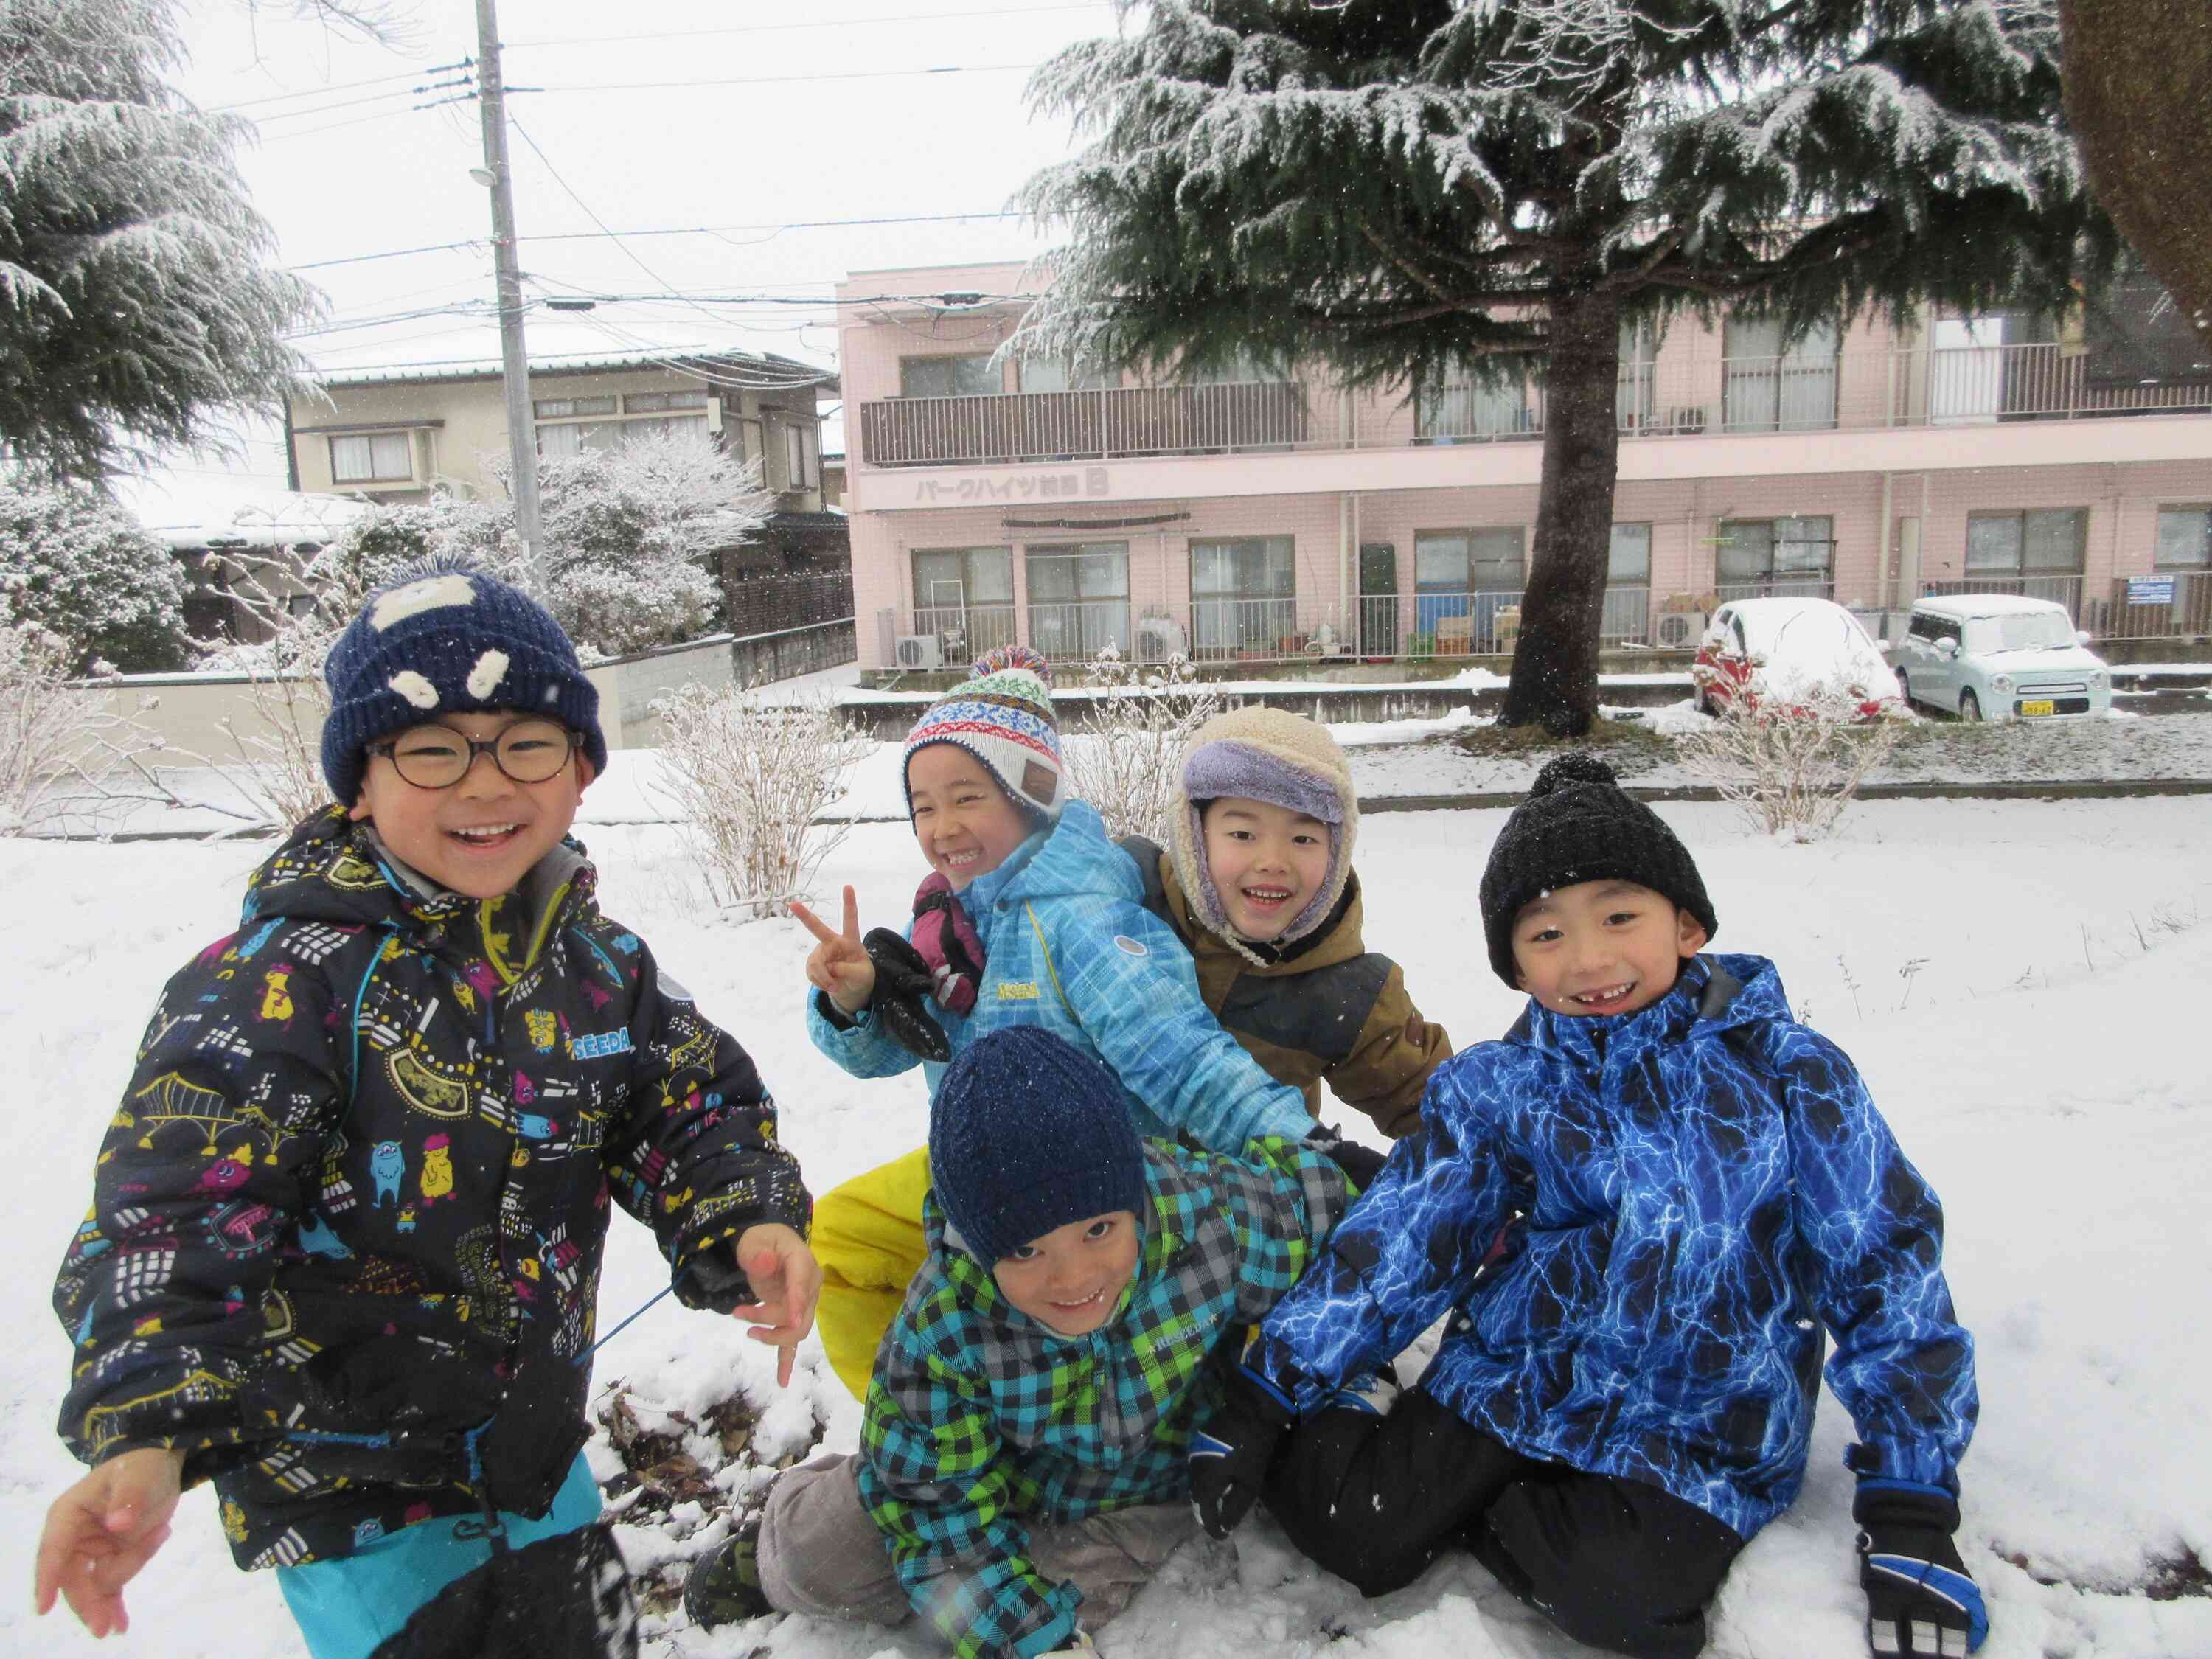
(1999, 657)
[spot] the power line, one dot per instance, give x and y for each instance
(825, 23)
(537, 150)
(778, 80)
(676, 230)
(342, 85)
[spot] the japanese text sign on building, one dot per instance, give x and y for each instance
(1073, 483)
(2150, 590)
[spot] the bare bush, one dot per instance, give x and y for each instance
(1793, 765)
(62, 750)
(1127, 762)
(744, 778)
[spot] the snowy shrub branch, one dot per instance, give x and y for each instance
(1125, 756)
(1793, 764)
(745, 780)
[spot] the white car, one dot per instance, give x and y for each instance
(1999, 657)
(1784, 653)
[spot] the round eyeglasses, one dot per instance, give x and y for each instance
(438, 756)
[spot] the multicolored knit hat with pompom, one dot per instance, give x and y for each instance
(1002, 714)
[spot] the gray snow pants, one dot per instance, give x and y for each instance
(821, 1554)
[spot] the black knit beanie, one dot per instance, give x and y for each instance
(1578, 825)
(1027, 1134)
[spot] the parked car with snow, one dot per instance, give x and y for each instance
(1790, 653)
(2000, 656)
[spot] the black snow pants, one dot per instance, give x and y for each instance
(1616, 1564)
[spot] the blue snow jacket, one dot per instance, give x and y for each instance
(1701, 1184)
(1069, 946)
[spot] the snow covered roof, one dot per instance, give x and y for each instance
(243, 517)
(580, 363)
(1968, 605)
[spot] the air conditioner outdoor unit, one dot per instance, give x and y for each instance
(1159, 638)
(1681, 630)
(920, 651)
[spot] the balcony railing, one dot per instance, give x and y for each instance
(1689, 398)
(1216, 630)
(1046, 426)
(1381, 627)
(2169, 605)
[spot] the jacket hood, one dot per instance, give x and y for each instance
(1072, 856)
(1713, 992)
(1338, 938)
(1285, 760)
(331, 869)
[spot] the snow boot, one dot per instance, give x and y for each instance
(725, 1587)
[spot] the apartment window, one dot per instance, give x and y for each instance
(563, 409)
(373, 457)
(799, 472)
(1080, 598)
(1244, 593)
(1628, 560)
(1770, 385)
(950, 377)
(1468, 409)
(557, 440)
(655, 403)
(1243, 367)
(966, 596)
(1794, 555)
(2047, 543)
(2185, 537)
(1637, 403)
(1463, 578)
(1041, 374)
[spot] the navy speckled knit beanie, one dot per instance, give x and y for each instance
(1027, 1134)
(448, 641)
(1578, 825)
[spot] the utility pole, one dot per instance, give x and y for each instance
(521, 432)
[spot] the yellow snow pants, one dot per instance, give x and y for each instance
(867, 1236)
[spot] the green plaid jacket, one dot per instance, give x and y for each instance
(980, 1418)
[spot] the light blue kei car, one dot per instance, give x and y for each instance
(2000, 657)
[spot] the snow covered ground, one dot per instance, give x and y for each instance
(2021, 983)
(1397, 758)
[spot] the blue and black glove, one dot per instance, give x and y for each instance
(1232, 1452)
(1360, 1165)
(1920, 1603)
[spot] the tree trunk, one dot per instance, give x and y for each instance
(2139, 94)
(1554, 683)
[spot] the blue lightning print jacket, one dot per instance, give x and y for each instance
(1702, 1184)
(980, 1418)
(1070, 946)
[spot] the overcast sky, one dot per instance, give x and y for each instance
(655, 115)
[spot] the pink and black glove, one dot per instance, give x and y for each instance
(947, 942)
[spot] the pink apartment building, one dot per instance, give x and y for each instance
(1265, 515)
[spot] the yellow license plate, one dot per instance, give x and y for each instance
(2041, 705)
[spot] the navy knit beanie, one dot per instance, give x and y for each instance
(448, 641)
(1027, 1134)
(1577, 825)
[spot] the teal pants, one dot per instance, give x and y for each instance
(347, 1608)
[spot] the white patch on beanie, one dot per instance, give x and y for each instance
(431, 593)
(413, 687)
(484, 677)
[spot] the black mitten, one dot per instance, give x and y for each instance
(1232, 1453)
(1920, 1600)
(1360, 1165)
(901, 999)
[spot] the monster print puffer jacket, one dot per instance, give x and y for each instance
(1700, 1184)
(344, 1245)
